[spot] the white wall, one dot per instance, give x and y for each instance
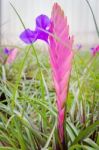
(79, 18)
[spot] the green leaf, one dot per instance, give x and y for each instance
(98, 139)
(7, 148)
(74, 129)
(50, 136)
(70, 133)
(20, 134)
(83, 134)
(80, 147)
(91, 143)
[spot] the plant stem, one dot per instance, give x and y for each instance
(96, 26)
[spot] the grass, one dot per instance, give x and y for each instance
(28, 113)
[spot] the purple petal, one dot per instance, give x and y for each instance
(79, 46)
(42, 36)
(92, 48)
(7, 51)
(29, 36)
(42, 21)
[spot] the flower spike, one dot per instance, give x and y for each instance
(61, 56)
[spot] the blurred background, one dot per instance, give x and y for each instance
(77, 11)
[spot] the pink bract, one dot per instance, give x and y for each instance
(61, 56)
(12, 56)
(95, 50)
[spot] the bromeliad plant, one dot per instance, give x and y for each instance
(61, 55)
(7, 58)
(12, 54)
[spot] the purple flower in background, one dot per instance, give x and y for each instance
(11, 53)
(7, 51)
(94, 50)
(78, 46)
(41, 31)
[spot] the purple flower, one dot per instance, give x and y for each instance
(7, 51)
(11, 54)
(94, 50)
(78, 46)
(41, 31)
